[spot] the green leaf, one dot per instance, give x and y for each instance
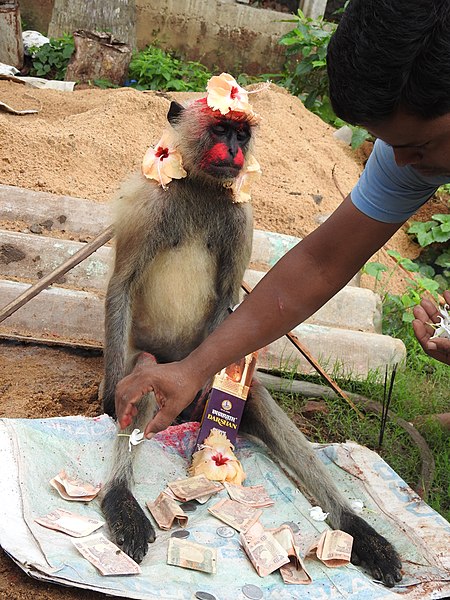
(374, 269)
(443, 260)
(442, 218)
(439, 235)
(359, 136)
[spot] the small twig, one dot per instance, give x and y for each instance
(333, 175)
(313, 362)
(46, 281)
(387, 396)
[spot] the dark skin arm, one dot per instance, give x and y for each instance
(427, 312)
(296, 287)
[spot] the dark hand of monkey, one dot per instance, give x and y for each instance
(372, 550)
(174, 390)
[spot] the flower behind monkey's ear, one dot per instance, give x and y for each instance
(163, 163)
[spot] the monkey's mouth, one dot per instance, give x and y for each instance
(222, 171)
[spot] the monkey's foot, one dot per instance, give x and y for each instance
(372, 550)
(129, 526)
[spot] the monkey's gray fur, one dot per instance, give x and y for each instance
(180, 257)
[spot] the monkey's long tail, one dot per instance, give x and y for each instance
(129, 525)
(264, 419)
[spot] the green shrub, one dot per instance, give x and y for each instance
(50, 60)
(434, 237)
(305, 73)
(155, 69)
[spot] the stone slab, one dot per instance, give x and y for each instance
(353, 308)
(29, 257)
(60, 314)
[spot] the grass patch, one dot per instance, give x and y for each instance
(421, 388)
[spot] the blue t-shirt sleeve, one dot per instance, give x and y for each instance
(389, 193)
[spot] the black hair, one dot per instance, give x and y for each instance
(389, 55)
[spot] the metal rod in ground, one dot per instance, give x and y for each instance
(46, 281)
(386, 403)
(313, 362)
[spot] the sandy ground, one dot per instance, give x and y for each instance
(83, 144)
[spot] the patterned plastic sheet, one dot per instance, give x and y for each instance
(33, 451)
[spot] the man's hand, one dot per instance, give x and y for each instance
(173, 385)
(426, 312)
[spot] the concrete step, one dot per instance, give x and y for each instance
(341, 352)
(81, 219)
(60, 314)
(353, 308)
(28, 257)
(345, 331)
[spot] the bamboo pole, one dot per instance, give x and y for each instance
(313, 362)
(46, 281)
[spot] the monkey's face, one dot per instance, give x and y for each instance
(224, 145)
(213, 146)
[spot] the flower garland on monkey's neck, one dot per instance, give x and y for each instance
(164, 162)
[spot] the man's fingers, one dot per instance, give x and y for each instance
(128, 392)
(160, 421)
(421, 331)
(430, 310)
(420, 313)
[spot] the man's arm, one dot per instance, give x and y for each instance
(296, 287)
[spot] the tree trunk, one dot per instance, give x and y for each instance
(114, 16)
(11, 46)
(98, 56)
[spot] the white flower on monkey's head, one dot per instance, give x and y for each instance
(443, 329)
(225, 95)
(163, 163)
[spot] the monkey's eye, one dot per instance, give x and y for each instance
(219, 129)
(242, 135)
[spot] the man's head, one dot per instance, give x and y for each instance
(389, 70)
(390, 55)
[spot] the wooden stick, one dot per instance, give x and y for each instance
(46, 281)
(313, 362)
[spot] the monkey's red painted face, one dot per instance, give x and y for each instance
(227, 142)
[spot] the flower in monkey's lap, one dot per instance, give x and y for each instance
(216, 460)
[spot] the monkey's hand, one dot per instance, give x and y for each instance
(426, 313)
(174, 387)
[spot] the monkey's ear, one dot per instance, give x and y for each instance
(175, 112)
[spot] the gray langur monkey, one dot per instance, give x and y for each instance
(181, 253)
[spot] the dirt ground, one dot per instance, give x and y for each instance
(83, 144)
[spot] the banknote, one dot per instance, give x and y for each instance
(70, 523)
(334, 548)
(165, 511)
(266, 554)
(200, 499)
(106, 556)
(187, 554)
(194, 487)
(293, 572)
(253, 495)
(71, 488)
(235, 514)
